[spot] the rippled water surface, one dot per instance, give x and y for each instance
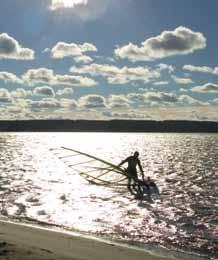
(36, 185)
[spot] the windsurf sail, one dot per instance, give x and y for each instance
(99, 171)
(92, 168)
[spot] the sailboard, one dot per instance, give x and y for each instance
(95, 170)
(98, 171)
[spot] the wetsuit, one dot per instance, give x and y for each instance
(132, 173)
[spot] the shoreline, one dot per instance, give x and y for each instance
(24, 242)
(136, 126)
(9, 245)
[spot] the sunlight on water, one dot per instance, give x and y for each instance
(35, 184)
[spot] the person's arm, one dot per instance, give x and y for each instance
(140, 167)
(122, 162)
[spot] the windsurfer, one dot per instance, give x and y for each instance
(133, 180)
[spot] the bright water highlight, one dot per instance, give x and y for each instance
(35, 185)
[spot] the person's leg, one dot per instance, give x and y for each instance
(139, 188)
(132, 186)
(129, 185)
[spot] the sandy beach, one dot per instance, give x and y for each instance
(26, 242)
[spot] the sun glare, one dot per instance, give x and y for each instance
(67, 3)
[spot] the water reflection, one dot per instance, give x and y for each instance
(35, 184)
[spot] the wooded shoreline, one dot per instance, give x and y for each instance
(109, 126)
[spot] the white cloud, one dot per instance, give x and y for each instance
(11, 49)
(21, 93)
(57, 4)
(62, 49)
(183, 81)
(65, 92)
(84, 10)
(47, 76)
(5, 96)
(164, 99)
(153, 98)
(116, 75)
(83, 59)
(183, 90)
(69, 103)
(206, 88)
(8, 77)
(202, 69)
(76, 81)
(160, 97)
(188, 100)
(41, 75)
(44, 91)
(18, 110)
(160, 83)
(92, 101)
(118, 101)
(23, 102)
(214, 101)
(137, 97)
(45, 103)
(178, 42)
(163, 66)
(129, 114)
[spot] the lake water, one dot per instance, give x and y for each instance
(37, 186)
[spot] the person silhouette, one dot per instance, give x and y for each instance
(131, 171)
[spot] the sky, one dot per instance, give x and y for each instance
(109, 59)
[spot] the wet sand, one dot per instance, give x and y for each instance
(26, 242)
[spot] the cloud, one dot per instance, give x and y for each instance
(163, 66)
(44, 91)
(206, 88)
(92, 101)
(47, 76)
(23, 102)
(161, 97)
(17, 110)
(137, 97)
(164, 98)
(65, 91)
(116, 75)
(160, 83)
(183, 81)
(183, 90)
(214, 101)
(181, 41)
(41, 75)
(45, 103)
(188, 100)
(130, 114)
(8, 77)
(83, 59)
(84, 10)
(11, 49)
(62, 49)
(21, 93)
(56, 4)
(69, 103)
(153, 98)
(202, 69)
(75, 81)
(5, 96)
(167, 113)
(118, 101)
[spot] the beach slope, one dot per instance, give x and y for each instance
(24, 242)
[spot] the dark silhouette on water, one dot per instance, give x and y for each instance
(138, 187)
(147, 185)
(133, 161)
